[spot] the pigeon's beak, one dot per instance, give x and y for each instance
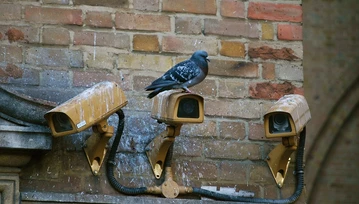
(208, 59)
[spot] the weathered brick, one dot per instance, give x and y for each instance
(207, 87)
(256, 132)
(207, 128)
(98, 19)
(90, 78)
(231, 27)
(56, 36)
(148, 43)
(9, 12)
(147, 22)
(232, 89)
(116, 40)
(268, 71)
(196, 169)
(232, 49)
(140, 82)
(233, 108)
(233, 8)
(275, 11)
(146, 5)
(189, 6)
(289, 32)
(29, 77)
(188, 146)
(30, 33)
(267, 31)
(231, 150)
(232, 130)
(100, 60)
(10, 54)
(56, 57)
(14, 35)
(290, 72)
(188, 25)
(146, 62)
(260, 173)
(188, 45)
(266, 52)
(233, 171)
(107, 3)
(55, 78)
(53, 15)
(11, 70)
(273, 91)
(233, 68)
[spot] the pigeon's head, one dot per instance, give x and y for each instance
(200, 57)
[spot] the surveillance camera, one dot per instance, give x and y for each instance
(287, 117)
(90, 108)
(86, 109)
(173, 107)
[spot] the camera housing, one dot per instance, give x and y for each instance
(287, 117)
(91, 108)
(86, 109)
(173, 107)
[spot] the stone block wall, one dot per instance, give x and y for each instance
(53, 49)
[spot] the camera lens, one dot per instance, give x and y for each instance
(188, 108)
(61, 122)
(279, 123)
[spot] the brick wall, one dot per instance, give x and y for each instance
(53, 49)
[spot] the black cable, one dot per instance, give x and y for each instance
(299, 175)
(111, 161)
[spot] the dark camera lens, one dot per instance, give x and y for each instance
(188, 108)
(61, 122)
(279, 123)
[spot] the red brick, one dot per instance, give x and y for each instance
(256, 132)
(189, 6)
(235, 108)
(260, 174)
(231, 27)
(29, 77)
(11, 54)
(53, 15)
(188, 25)
(146, 5)
(233, 68)
(289, 32)
(207, 128)
(102, 39)
(272, 91)
(188, 45)
(98, 19)
(148, 43)
(232, 49)
(10, 12)
(266, 52)
(275, 11)
(232, 130)
(14, 34)
(232, 89)
(13, 71)
(232, 150)
(31, 33)
(56, 36)
(188, 146)
(88, 79)
(196, 169)
(233, 8)
(147, 22)
(206, 88)
(268, 71)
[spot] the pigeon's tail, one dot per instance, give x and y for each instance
(154, 93)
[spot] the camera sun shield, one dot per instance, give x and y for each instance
(173, 107)
(287, 117)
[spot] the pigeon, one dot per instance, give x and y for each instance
(182, 76)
